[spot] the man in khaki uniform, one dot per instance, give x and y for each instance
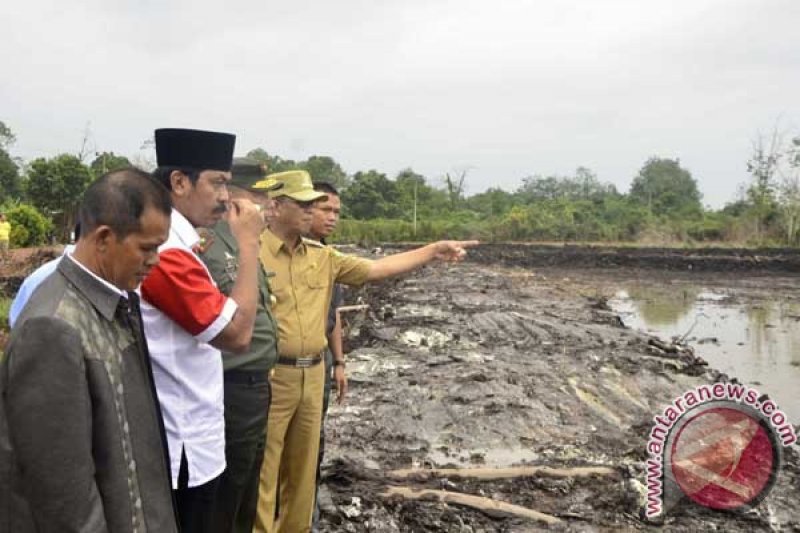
(305, 273)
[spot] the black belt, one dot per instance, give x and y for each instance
(246, 377)
(300, 362)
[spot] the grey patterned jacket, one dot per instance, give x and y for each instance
(81, 447)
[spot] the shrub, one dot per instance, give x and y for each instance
(28, 226)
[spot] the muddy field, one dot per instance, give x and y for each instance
(486, 366)
(514, 359)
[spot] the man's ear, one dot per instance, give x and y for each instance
(103, 237)
(179, 182)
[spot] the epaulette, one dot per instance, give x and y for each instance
(312, 242)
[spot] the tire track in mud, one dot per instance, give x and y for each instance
(465, 366)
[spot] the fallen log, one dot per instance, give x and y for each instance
(347, 308)
(488, 506)
(500, 473)
(661, 345)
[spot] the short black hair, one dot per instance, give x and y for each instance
(118, 199)
(162, 175)
(326, 187)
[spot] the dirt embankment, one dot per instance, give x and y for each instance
(22, 262)
(481, 366)
(765, 260)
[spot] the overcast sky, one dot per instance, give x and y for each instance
(503, 88)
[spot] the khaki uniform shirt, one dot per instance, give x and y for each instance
(222, 260)
(302, 285)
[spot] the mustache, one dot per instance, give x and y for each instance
(220, 209)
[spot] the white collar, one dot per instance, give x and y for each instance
(184, 229)
(98, 278)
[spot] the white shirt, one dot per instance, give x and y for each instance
(182, 311)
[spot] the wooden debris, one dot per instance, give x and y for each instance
(486, 505)
(501, 473)
(347, 308)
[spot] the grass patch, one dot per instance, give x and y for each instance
(5, 306)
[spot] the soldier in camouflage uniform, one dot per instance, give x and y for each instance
(246, 375)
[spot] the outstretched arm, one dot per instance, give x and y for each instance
(397, 264)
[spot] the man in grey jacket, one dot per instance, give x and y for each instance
(81, 441)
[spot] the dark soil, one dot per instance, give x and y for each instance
(472, 366)
(764, 260)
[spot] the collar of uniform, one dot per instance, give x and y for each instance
(183, 229)
(222, 231)
(103, 296)
(275, 244)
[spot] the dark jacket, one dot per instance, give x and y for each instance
(81, 447)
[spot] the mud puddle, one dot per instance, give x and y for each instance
(475, 366)
(752, 336)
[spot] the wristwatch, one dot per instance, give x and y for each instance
(339, 362)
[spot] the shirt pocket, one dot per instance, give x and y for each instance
(316, 280)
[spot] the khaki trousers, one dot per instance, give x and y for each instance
(290, 457)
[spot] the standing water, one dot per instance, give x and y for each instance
(755, 340)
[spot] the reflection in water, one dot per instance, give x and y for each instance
(756, 342)
(662, 306)
(758, 320)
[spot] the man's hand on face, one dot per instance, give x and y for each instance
(246, 221)
(341, 384)
(453, 250)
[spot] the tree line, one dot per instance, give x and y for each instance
(663, 205)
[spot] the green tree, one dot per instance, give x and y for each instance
(583, 186)
(7, 137)
(493, 203)
(537, 187)
(55, 185)
(666, 189)
(430, 201)
(274, 163)
(324, 168)
(371, 195)
(789, 193)
(455, 186)
(108, 161)
(28, 226)
(10, 180)
(763, 166)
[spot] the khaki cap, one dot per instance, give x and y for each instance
(296, 185)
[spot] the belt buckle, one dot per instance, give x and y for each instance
(304, 362)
